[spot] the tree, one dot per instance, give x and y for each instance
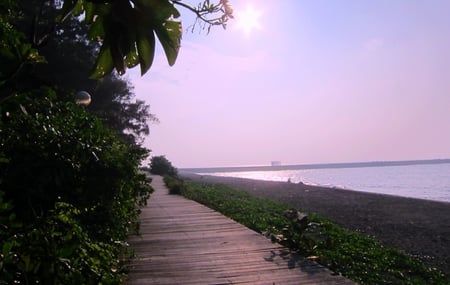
(70, 56)
(160, 165)
(18, 56)
(114, 103)
(125, 30)
(113, 97)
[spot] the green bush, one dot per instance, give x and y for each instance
(71, 192)
(176, 185)
(56, 249)
(160, 165)
(70, 189)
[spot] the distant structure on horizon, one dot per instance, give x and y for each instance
(275, 163)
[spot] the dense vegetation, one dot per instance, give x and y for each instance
(354, 255)
(160, 165)
(69, 193)
(70, 187)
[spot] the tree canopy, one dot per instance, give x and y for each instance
(125, 30)
(160, 165)
(70, 56)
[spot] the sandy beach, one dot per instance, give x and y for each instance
(418, 227)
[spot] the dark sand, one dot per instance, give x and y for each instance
(419, 227)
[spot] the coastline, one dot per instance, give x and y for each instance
(315, 166)
(419, 227)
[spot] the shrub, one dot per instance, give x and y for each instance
(70, 192)
(176, 185)
(160, 165)
(56, 249)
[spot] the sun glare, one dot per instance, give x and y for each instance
(248, 19)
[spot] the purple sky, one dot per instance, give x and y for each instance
(318, 81)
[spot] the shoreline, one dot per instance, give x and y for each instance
(208, 170)
(419, 227)
(324, 186)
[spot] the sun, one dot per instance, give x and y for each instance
(247, 20)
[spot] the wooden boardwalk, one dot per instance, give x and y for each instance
(183, 242)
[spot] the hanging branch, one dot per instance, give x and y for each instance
(209, 14)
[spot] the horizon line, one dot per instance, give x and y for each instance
(316, 165)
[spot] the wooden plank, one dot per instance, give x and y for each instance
(183, 242)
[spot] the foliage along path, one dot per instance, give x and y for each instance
(183, 242)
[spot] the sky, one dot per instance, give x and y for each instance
(318, 81)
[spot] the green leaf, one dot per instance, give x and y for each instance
(4, 160)
(6, 54)
(26, 259)
(97, 29)
(162, 9)
(145, 43)
(90, 12)
(118, 58)
(132, 58)
(33, 56)
(169, 34)
(23, 51)
(7, 247)
(78, 8)
(129, 47)
(104, 64)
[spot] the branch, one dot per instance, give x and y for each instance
(206, 9)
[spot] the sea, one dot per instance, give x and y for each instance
(429, 180)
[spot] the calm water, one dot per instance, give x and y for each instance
(428, 181)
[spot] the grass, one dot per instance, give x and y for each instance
(352, 254)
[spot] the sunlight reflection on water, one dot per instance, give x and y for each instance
(430, 181)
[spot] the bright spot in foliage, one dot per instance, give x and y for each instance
(248, 20)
